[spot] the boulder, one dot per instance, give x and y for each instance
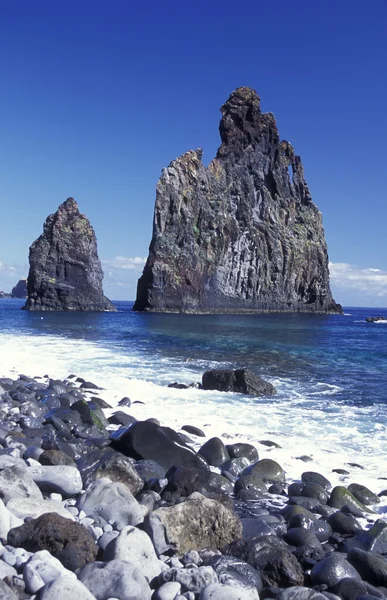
(371, 567)
(363, 494)
(239, 450)
(331, 569)
(341, 496)
(266, 470)
(63, 479)
(194, 524)
(134, 546)
(214, 452)
(15, 482)
(194, 579)
(66, 540)
(64, 588)
(42, 568)
(241, 381)
(115, 579)
(148, 441)
(33, 508)
(111, 502)
(112, 465)
(313, 477)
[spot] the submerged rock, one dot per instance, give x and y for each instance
(241, 381)
(241, 234)
(65, 271)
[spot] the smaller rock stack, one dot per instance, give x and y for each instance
(65, 271)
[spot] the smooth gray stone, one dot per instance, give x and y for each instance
(15, 482)
(219, 591)
(34, 507)
(300, 593)
(115, 579)
(42, 568)
(168, 591)
(64, 588)
(8, 520)
(7, 570)
(6, 593)
(134, 546)
(193, 579)
(61, 479)
(110, 502)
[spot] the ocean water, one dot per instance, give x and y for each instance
(330, 372)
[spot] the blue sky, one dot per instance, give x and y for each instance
(96, 97)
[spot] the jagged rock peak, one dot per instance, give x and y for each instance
(65, 271)
(241, 234)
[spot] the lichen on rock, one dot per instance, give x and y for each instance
(241, 234)
(65, 271)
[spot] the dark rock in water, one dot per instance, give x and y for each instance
(193, 430)
(309, 490)
(340, 496)
(266, 470)
(125, 401)
(331, 569)
(20, 289)
(344, 524)
(375, 319)
(363, 494)
(65, 271)
(246, 450)
(66, 540)
(372, 567)
(269, 444)
(312, 477)
(340, 471)
(214, 451)
(241, 234)
(146, 440)
(242, 381)
(121, 418)
(178, 386)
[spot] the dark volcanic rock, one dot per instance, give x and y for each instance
(146, 440)
(65, 271)
(241, 234)
(20, 289)
(242, 381)
(68, 541)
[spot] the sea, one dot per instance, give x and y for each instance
(330, 373)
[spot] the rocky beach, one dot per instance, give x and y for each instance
(98, 504)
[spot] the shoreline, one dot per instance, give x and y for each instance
(91, 466)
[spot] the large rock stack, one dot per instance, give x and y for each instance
(241, 234)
